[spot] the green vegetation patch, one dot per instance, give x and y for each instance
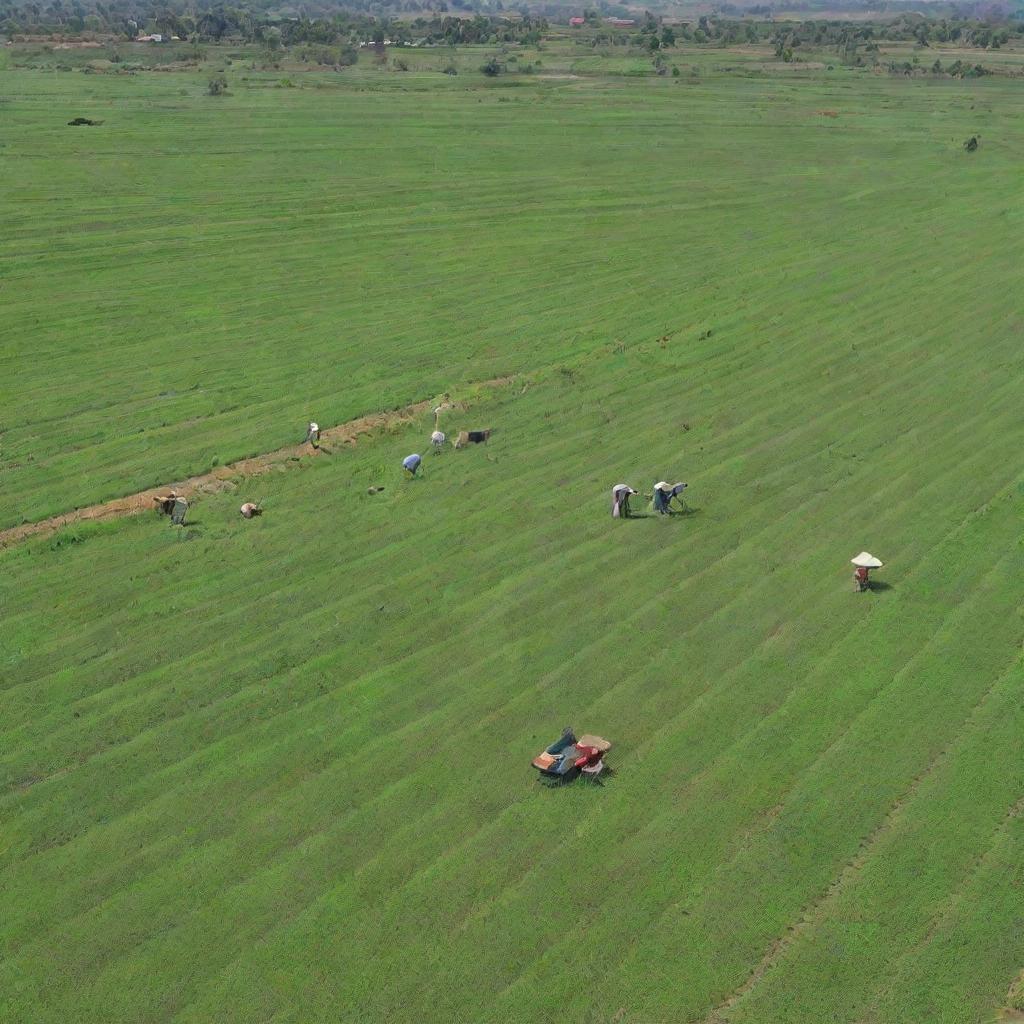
(278, 769)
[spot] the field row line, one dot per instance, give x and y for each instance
(816, 911)
(424, 870)
(705, 774)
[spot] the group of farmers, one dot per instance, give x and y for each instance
(412, 463)
(666, 499)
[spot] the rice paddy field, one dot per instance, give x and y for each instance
(279, 770)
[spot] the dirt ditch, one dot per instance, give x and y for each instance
(222, 477)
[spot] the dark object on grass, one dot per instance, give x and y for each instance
(178, 514)
(568, 757)
(472, 437)
(165, 502)
(374, 490)
(83, 120)
(971, 144)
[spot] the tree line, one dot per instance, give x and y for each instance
(323, 24)
(205, 22)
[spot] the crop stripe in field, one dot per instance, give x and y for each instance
(805, 771)
(2, 534)
(984, 741)
(817, 910)
(953, 900)
(815, 421)
(750, 540)
(222, 613)
(941, 627)
(219, 478)
(408, 726)
(428, 866)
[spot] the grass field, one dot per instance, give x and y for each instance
(279, 770)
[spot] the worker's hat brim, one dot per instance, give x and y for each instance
(866, 560)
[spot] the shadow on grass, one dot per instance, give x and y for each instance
(558, 781)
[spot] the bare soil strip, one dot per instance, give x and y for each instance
(222, 477)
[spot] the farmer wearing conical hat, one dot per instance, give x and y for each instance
(676, 494)
(662, 496)
(620, 500)
(863, 564)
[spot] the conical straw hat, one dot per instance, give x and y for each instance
(866, 561)
(663, 486)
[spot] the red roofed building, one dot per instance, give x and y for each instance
(575, 22)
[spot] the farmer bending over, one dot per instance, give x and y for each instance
(620, 500)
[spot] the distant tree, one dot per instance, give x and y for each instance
(491, 67)
(217, 86)
(668, 37)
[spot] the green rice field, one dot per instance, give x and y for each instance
(279, 770)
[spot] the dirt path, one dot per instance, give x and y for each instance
(222, 477)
